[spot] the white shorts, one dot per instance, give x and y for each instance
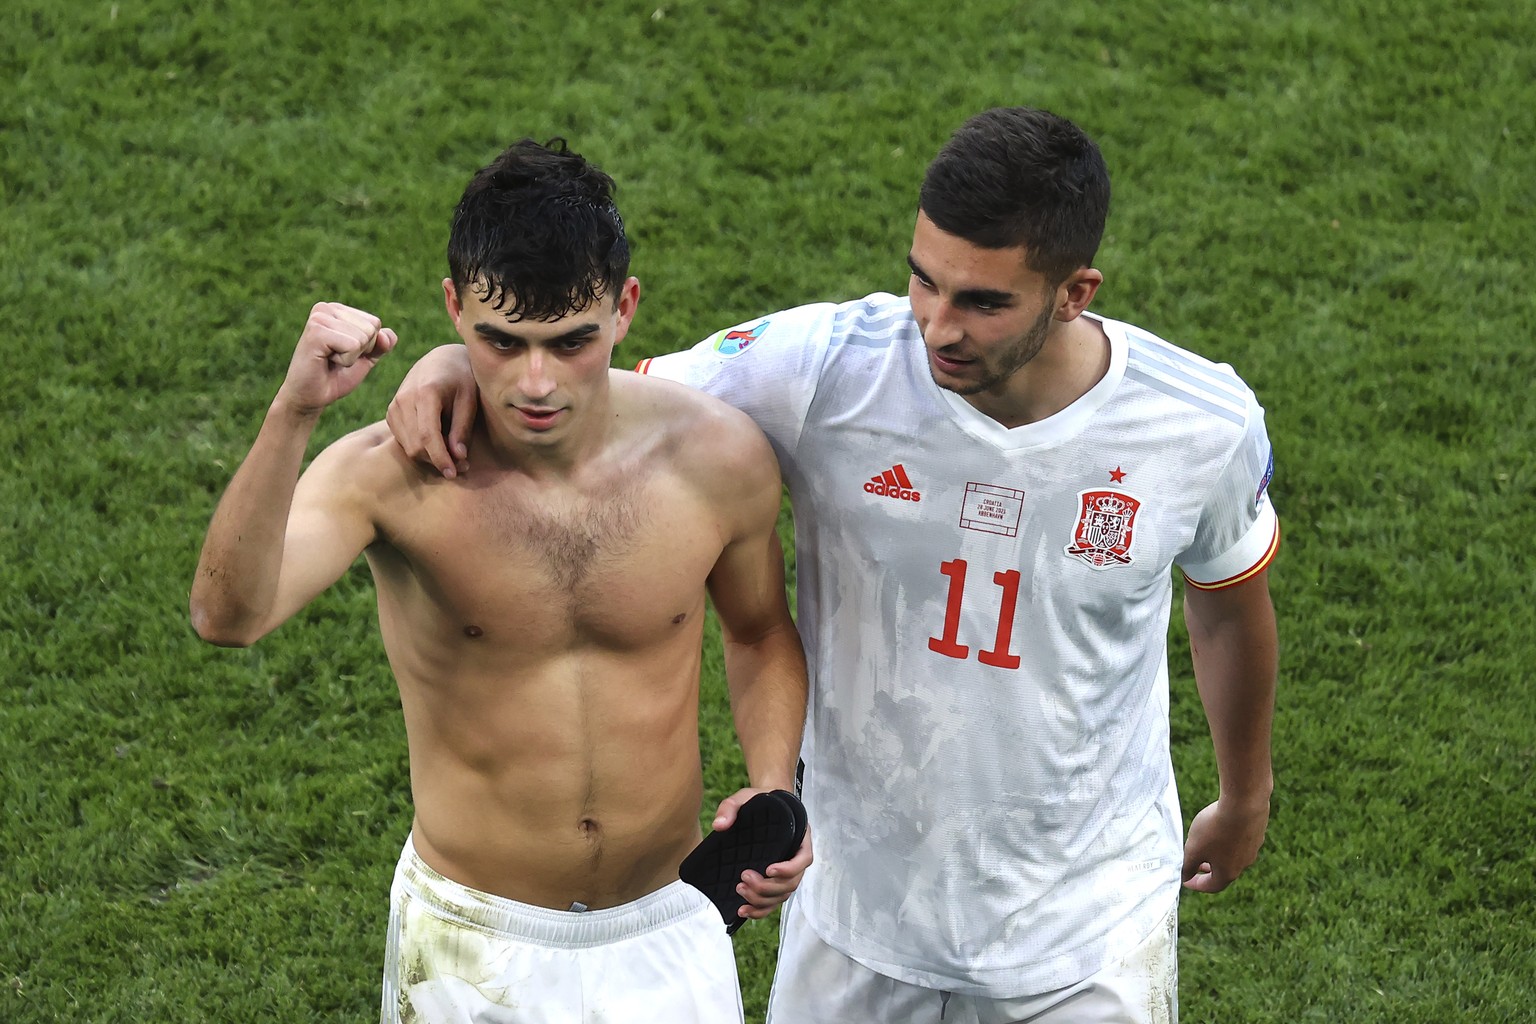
(816, 984)
(456, 955)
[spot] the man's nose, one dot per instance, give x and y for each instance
(536, 380)
(943, 328)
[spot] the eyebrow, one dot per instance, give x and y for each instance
(491, 332)
(989, 296)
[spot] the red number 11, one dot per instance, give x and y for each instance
(949, 644)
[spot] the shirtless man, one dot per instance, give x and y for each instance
(543, 619)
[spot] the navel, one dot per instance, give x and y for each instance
(592, 836)
(679, 617)
(474, 632)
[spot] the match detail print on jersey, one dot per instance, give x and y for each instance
(989, 508)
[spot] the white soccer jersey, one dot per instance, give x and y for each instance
(985, 614)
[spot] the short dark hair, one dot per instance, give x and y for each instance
(539, 230)
(1017, 176)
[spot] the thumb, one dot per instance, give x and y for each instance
(1205, 879)
(725, 817)
(383, 343)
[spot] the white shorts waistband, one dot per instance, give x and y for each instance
(560, 929)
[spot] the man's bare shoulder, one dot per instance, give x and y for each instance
(368, 463)
(704, 433)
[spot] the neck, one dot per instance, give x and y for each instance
(1074, 357)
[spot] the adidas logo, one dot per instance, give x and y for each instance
(893, 483)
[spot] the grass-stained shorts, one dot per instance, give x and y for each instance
(456, 955)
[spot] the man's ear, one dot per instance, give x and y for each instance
(628, 302)
(451, 301)
(1074, 294)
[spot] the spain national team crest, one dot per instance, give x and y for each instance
(1106, 523)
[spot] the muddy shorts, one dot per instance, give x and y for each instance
(455, 955)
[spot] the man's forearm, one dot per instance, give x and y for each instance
(1235, 658)
(768, 696)
(1240, 710)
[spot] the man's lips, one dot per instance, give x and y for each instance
(535, 417)
(949, 365)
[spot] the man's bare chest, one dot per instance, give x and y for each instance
(613, 565)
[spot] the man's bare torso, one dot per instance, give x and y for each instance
(545, 635)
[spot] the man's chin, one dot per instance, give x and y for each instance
(959, 387)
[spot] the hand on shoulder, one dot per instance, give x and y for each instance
(368, 463)
(692, 415)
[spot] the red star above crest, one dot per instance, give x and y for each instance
(1117, 475)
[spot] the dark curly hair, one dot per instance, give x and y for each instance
(538, 231)
(1017, 176)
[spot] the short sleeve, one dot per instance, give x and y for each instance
(1239, 531)
(768, 368)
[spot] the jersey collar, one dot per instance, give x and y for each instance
(1054, 429)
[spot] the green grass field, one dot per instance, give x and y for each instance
(1336, 197)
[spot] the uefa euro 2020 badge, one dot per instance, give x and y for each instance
(735, 342)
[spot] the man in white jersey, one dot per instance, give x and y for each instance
(991, 488)
(542, 618)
